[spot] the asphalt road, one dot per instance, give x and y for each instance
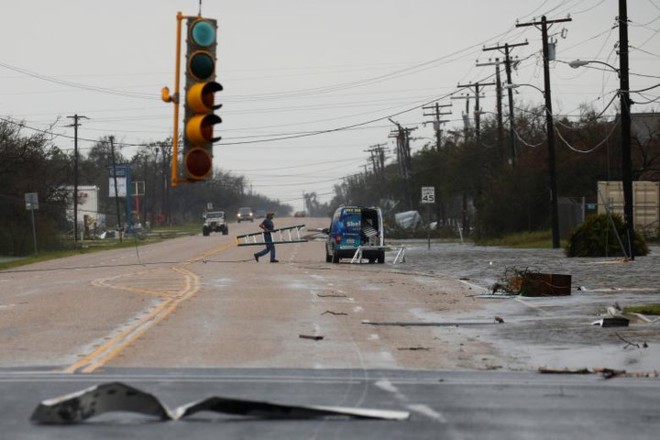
(441, 405)
(197, 316)
(198, 302)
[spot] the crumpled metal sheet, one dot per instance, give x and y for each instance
(115, 396)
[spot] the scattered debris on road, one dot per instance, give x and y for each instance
(313, 337)
(330, 312)
(428, 324)
(612, 322)
(414, 348)
(331, 295)
(544, 370)
(607, 373)
(631, 344)
(534, 284)
(77, 407)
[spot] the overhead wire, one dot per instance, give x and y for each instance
(590, 150)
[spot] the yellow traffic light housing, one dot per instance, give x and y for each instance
(199, 119)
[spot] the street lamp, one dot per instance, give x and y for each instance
(581, 63)
(626, 161)
(515, 86)
(554, 202)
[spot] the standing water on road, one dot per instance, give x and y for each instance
(485, 265)
(556, 332)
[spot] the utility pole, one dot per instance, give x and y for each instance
(114, 175)
(436, 113)
(554, 203)
(477, 109)
(377, 153)
(404, 158)
(75, 125)
(466, 119)
(626, 162)
(507, 67)
(498, 86)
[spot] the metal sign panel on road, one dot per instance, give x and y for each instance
(428, 194)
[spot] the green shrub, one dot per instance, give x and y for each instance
(597, 237)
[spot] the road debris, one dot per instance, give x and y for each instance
(331, 295)
(414, 348)
(77, 407)
(612, 322)
(499, 320)
(631, 344)
(427, 324)
(534, 284)
(313, 337)
(607, 373)
(330, 312)
(545, 370)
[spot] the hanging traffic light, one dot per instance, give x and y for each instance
(199, 119)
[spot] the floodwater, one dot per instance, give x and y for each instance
(484, 266)
(553, 332)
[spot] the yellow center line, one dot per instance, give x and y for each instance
(109, 350)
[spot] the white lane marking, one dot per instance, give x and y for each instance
(386, 385)
(427, 411)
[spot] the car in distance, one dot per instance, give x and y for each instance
(245, 214)
(214, 221)
(354, 227)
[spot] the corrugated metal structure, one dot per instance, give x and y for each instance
(646, 203)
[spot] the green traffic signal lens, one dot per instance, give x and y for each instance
(201, 65)
(203, 33)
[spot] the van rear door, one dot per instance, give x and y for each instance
(348, 228)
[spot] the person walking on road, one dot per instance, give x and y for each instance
(267, 226)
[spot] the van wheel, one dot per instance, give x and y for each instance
(381, 258)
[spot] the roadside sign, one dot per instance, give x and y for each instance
(428, 194)
(31, 201)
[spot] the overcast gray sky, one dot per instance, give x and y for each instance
(291, 67)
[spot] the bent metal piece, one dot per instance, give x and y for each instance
(115, 396)
(254, 408)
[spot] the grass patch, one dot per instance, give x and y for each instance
(93, 246)
(521, 240)
(647, 309)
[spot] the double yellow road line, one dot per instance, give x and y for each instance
(109, 350)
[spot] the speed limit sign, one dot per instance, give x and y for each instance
(428, 194)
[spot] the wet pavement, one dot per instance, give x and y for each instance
(553, 332)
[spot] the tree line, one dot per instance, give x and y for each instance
(488, 190)
(32, 162)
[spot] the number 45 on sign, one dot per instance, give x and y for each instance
(428, 194)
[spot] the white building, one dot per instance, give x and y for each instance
(88, 208)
